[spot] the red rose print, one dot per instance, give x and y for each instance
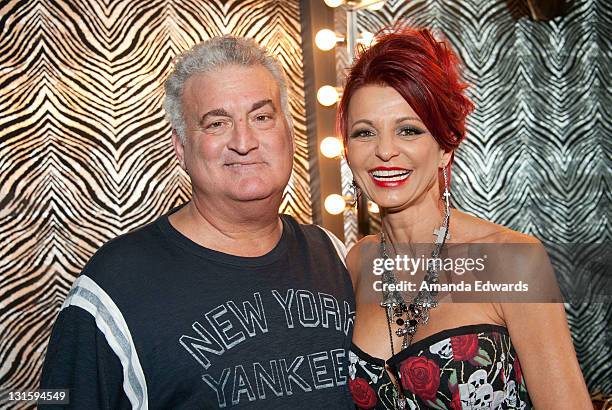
(517, 371)
(363, 395)
(464, 347)
(421, 376)
(456, 403)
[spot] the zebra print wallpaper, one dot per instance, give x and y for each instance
(538, 155)
(85, 152)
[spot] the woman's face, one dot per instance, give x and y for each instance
(393, 156)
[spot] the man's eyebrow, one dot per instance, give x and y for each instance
(217, 112)
(220, 112)
(261, 103)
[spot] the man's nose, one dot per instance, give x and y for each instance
(243, 138)
(386, 147)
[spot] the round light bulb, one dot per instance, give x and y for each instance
(373, 207)
(331, 147)
(327, 95)
(377, 6)
(366, 38)
(325, 39)
(335, 204)
(333, 3)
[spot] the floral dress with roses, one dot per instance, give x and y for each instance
(468, 368)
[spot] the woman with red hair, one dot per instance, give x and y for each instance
(402, 116)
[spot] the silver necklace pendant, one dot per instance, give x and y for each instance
(416, 312)
(441, 234)
(401, 403)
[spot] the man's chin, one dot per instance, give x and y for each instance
(257, 194)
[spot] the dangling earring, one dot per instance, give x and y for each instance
(442, 233)
(356, 193)
(446, 193)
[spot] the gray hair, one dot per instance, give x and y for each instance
(214, 54)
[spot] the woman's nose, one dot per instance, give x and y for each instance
(386, 148)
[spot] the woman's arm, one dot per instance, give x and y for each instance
(542, 340)
(544, 346)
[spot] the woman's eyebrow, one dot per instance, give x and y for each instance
(408, 119)
(367, 122)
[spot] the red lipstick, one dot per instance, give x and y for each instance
(389, 177)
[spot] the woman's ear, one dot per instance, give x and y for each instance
(445, 159)
(345, 153)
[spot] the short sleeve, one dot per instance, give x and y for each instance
(80, 359)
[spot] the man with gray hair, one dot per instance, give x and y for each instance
(222, 302)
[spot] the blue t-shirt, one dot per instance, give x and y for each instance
(158, 321)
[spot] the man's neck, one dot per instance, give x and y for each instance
(247, 231)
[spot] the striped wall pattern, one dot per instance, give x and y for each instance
(538, 154)
(85, 152)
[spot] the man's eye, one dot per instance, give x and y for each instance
(213, 125)
(263, 117)
(362, 134)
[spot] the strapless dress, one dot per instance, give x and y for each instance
(468, 368)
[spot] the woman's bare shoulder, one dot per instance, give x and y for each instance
(355, 250)
(355, 257)
(472, 229)
(510, 252)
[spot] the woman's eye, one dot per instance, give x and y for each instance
(362, 134)
(409, 132)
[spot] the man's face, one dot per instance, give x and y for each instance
(238, 146)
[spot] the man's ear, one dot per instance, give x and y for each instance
(291, 132)
(179, 149)
(293, 144)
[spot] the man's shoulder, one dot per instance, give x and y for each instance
(321, 236)
(312, 229)
(126, 253)
(137, 240)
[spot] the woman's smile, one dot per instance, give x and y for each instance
(389, 177)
